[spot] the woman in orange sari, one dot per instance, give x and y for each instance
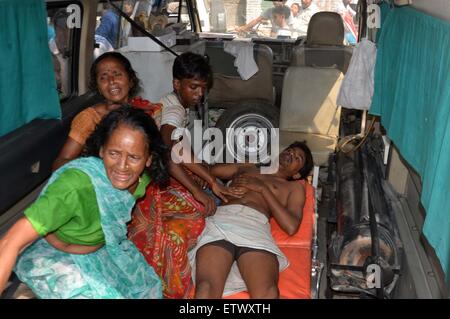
(113, 78)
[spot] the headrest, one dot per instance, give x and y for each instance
(325, 28)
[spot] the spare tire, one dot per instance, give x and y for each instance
(248, 119)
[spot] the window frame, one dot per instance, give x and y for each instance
(74, 45)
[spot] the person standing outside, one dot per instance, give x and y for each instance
(106, 33)
(264, 16)
(301, 22)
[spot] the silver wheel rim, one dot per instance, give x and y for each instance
(241, 136)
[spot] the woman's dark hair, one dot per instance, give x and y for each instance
(190, 65)
(139, 120)
(134, 80)
(309, 162)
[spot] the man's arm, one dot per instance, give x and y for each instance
(177, 172)
(187, 160)
(251, 24)
(166, 132)
(265, 15)
(296, 202)
(227, 171)
(288, 217)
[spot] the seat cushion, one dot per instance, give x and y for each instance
(325, 28)
(321, 146)
(309, 100)
(229, 88)
(309, 111)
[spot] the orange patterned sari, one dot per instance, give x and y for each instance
(164, 226)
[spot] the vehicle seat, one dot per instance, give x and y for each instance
(324, 43)
(308, 103)
(228, 85)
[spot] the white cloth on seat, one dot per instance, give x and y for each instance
(245, 61)
(357, 87)
(242, 226)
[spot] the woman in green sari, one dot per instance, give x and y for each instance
(76, 230)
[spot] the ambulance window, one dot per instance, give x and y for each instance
(63, 28)
(184, 16)
(272, 19)
(156, 17)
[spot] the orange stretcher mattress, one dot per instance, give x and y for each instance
(295, 281)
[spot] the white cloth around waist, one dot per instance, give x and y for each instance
(242, 226)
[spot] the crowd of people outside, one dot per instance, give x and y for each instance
(291, 18)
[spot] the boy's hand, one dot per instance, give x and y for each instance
(200, 181)
(249, 182)
(207, 201)
(238, 192)
(222, 191)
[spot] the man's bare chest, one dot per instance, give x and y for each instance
(277, 186)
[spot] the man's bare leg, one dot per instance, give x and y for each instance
(260, 273)
(213, 264)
